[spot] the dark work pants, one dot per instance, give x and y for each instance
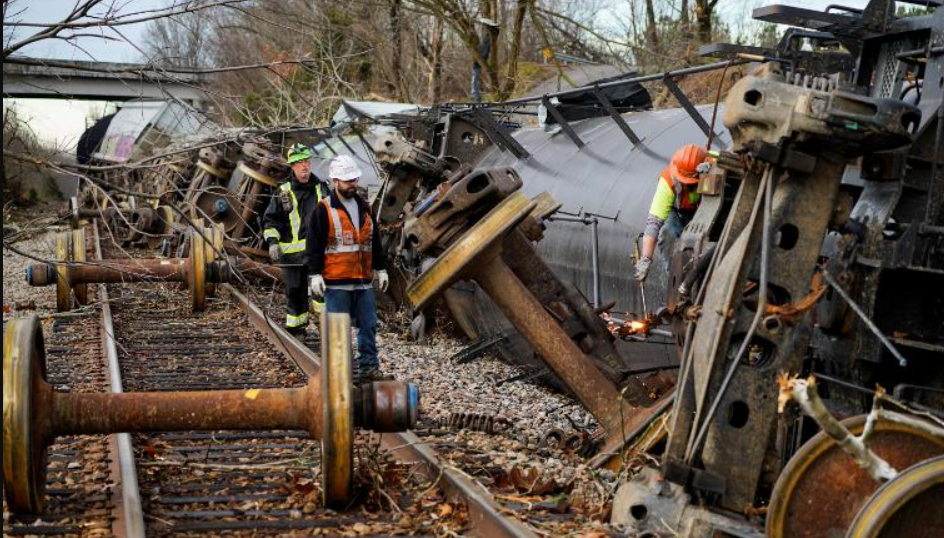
(295, 283)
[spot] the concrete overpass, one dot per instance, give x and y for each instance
(100, 81)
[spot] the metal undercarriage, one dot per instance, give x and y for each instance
(818, 250)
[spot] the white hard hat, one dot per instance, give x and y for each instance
(344, 167)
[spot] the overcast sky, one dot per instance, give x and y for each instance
(105, 45)
(118, 45)
(61, 122)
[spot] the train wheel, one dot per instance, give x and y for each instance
(822, 488)
(337, 438)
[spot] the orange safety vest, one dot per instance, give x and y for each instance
(686, 196)
(348, 250)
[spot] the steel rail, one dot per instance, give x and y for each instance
(484, 512)
(128, 511)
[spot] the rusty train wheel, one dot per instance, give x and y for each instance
(337, 438)
(822, 488)
(165, 216)
(213, 245)
(24, 456)
(63, 288)
(78, 255)
(908, 505)
(168, 217)
(257, 176)
(196, 274)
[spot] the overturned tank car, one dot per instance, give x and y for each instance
(810, 273)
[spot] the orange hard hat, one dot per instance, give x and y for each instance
(685, 161)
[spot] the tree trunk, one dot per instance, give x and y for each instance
(396, 65)
(511, 73)
(434, 87)
(652, 35)
(490, 10)
(686, 27)
(703, 16)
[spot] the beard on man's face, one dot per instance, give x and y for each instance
(346, 189)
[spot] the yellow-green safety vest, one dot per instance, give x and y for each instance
(295, 222)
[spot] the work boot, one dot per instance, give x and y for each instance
(298, 333)
(369, 375)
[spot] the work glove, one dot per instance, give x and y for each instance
(642, 268)
(703, 168)
(383, 281)
(316, 284)
(275, 252)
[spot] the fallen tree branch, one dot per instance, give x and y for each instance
(803, 392)
(913, 422)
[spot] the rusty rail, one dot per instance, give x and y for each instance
(484, 512)
(126, 496)
(485, 515)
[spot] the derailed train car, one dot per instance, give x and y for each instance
(818, 249)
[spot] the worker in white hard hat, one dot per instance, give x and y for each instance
(344, 255)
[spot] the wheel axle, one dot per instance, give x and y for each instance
(70, 272)
(34, 414)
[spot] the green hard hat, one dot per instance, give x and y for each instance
(298, 152)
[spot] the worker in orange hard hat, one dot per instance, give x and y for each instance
(673, 204)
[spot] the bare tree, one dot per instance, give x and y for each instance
(179, 41)
(704, 17)
(499, 62)
(652, 34)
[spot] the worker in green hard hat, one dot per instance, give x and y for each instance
(285, 229)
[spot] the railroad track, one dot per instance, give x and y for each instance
(78, 474)
(210, 482)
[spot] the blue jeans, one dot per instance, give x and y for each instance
(671, 231)
(359, 304)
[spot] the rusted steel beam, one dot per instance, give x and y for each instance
(477, 256)
(250, 267)
(579, 373)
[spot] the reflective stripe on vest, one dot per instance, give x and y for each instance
(686, 197)
(295, 222)
(348, 250)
